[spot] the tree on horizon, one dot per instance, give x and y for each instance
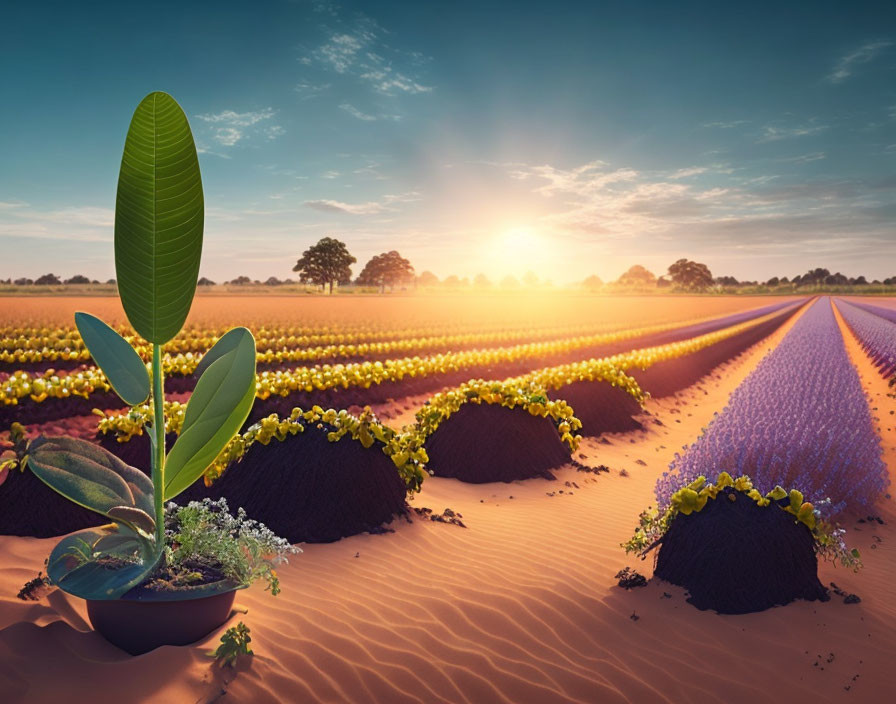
(482, 281)
(690, 275)
(427, 278)
(637, 277)
(386, 269)
(325, 263)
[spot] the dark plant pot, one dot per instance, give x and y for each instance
(138, 626)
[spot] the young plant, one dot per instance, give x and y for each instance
(159, 216)
(234, 645)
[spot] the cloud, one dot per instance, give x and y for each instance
(309, 90)
(804, 158)
(725, 125)
(335, 206)
(690, 171)
(354, 112)
(385, 80)
(238, 119)
(228, 136)
(229, 127)
(845, 67)
(385, 204)
(359, 49)
(629, 212)
(772, 133)
(81, 223)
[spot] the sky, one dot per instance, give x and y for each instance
(567, 138)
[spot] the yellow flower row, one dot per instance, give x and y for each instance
(409, 460)
(369, 373)
(22, 345)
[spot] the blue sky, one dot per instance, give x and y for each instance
(568, 138)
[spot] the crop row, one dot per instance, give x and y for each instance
(529, 392)
(284, 351)
(419, 374)
(800, 419)
(20, 345)
(83, 383)
(876, 334)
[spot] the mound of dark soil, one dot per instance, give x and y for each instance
(602, 407)
(308, 489)
(736, 557)
(491, 443)
(668, 378)
(135, 451)
(27, 411)
(29, 507)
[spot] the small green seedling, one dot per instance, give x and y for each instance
(234, 644)
(159, 215)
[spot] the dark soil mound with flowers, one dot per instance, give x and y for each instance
(134, 451)
(737, 557)
(31, 508)
(490, 443)
(310, 490)
(602, 407)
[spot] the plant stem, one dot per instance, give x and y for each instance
(158, 459)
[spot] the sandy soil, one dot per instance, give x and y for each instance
(520, 606)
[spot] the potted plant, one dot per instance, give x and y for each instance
(158, 574)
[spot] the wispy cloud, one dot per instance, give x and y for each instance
(82, 223)
(359, 49)
(387, 203)
(229, 127)
(335, 206)
(846, 65)
(774, 133)
(639, 210)
(308, 90)
(354, 112)
(804, 158)
(690, 171)
(726, 125)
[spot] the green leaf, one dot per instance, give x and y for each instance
(119, 362)
(89, 475)
(159, 216)
(217, 408)
(72, 565)
(133, 517)
(227, 342)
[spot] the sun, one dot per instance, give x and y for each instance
(520, 249)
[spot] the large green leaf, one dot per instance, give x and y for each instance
(89, 475)
(113, 354)
(73, 566)
(219, 405)
(159, 218)
(230, 340)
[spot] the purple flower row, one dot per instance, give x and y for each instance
(877, 333)
(800, 419)
(696, 329)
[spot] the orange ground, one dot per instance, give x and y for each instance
(521, 606)
(499, 311)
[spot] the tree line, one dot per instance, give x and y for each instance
(688, 275)
(328, 263)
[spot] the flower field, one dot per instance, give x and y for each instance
(545, 435)
(876, 329)
(800, 419)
